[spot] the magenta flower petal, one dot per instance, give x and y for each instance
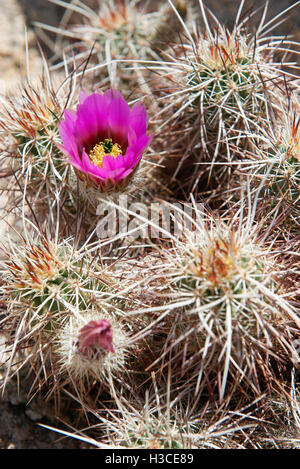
(134, 152)
(102, 120)
(68, 124)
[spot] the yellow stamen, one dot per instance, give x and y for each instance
(103, 149)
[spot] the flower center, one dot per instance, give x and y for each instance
(103, 149)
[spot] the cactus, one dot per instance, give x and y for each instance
(219, 86)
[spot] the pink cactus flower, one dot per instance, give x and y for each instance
(95, 334)
(104, 139)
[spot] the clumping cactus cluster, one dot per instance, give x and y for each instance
(173, 318)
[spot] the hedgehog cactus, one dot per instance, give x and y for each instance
(285, 172)
(115, 24)
(225, 79)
